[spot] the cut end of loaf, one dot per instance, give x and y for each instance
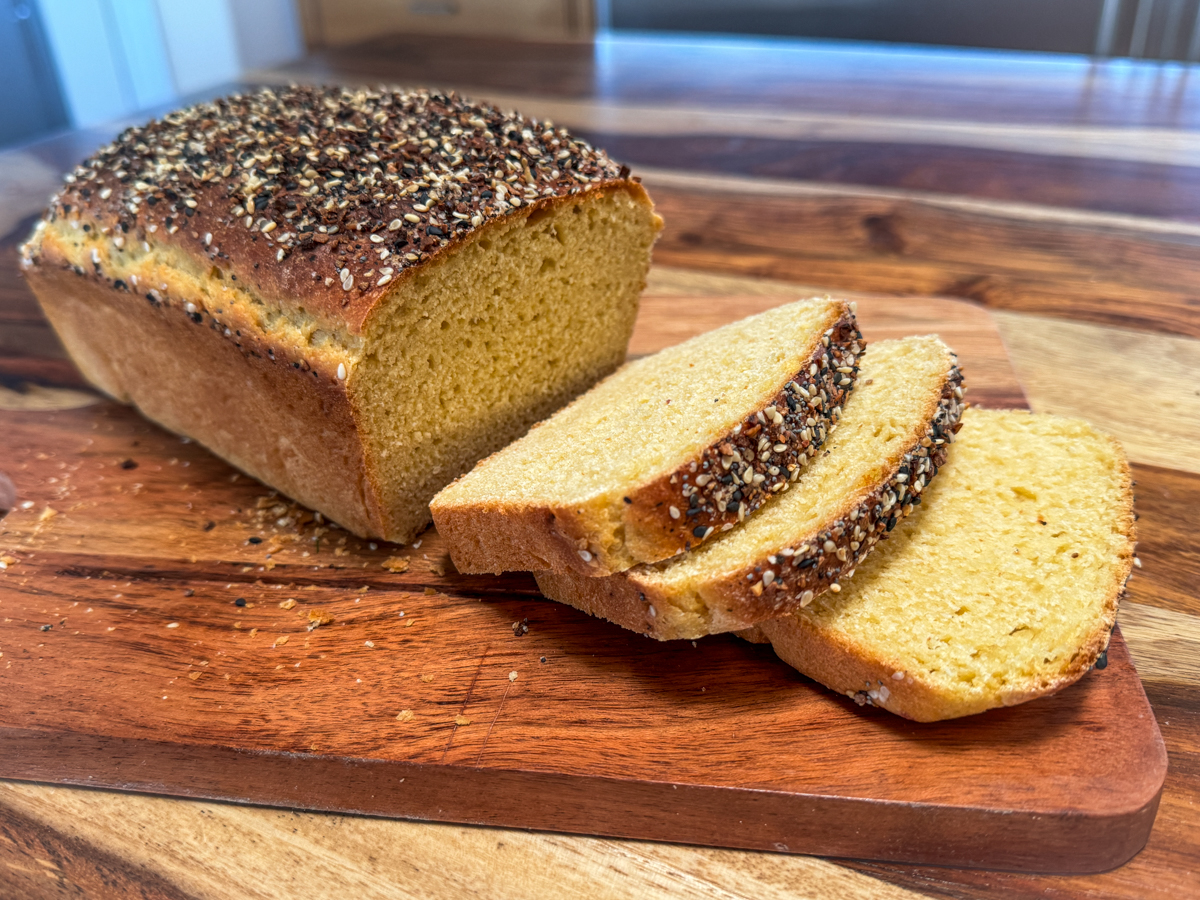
(1003, 587)
(462, 359)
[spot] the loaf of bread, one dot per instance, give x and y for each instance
(1001, 588)
(351, 295)
(669, 451)
(893, 434)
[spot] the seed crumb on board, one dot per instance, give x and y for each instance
(288, 604)
(404, 715)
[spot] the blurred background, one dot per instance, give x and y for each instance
(80, 63)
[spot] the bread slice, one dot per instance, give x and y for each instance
(1001, 588)
(661, 455)
(352, 295)
(891, 439)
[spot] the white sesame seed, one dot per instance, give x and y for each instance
(395, 225)
(768, 577)
(897, 676)
(410, 217)
(105, 193)
(343, 274)
(207, 238)
(585, 556)
(348, 282)
(674, 511)
(341, 372)
(835, 587)
(376, 239)
(384, 280)
(268, 228)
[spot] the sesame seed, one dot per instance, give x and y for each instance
(585, 556)
(268, 228)
(347, 282)
(674, 511)
(395, 225)
(376, 239)
(105, 193)
(384, 280)
(410, 217)
(341, 372)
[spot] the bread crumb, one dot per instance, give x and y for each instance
(430, 590)
(317, 618)
(282, 639)
(512, 676)
(427, 678)
(404, 715)
(461, 720)
(288, 604)
(48, 513)
(6, 561)
(193, 675)
(396, 564)
(370, 645)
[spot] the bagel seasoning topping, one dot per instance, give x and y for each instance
(327, 180)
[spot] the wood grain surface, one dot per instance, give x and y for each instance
(170, 626)
(1112, 144)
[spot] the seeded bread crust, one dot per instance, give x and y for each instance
(315, 204)
(794, 574)
(713, 491)
(866, 674)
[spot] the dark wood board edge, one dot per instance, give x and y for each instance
(1048, 841)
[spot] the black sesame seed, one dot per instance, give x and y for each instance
(255, 540)
(129, 464)
(1101, 660)
(699, 531)
(47, 627)
(627, 500)
(240, 601)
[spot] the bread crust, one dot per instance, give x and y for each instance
(790, 577)
(711, 491)
(866, 675)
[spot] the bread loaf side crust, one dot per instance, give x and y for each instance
(284, 420)
(866, 675)
(661, 519)
(793, 575)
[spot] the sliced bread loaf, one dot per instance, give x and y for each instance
(663, 454)
(890, 441)
(1002, 588)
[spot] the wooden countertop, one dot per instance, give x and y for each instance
(1061, 195)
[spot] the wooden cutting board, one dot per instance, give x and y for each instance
(168, 625)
